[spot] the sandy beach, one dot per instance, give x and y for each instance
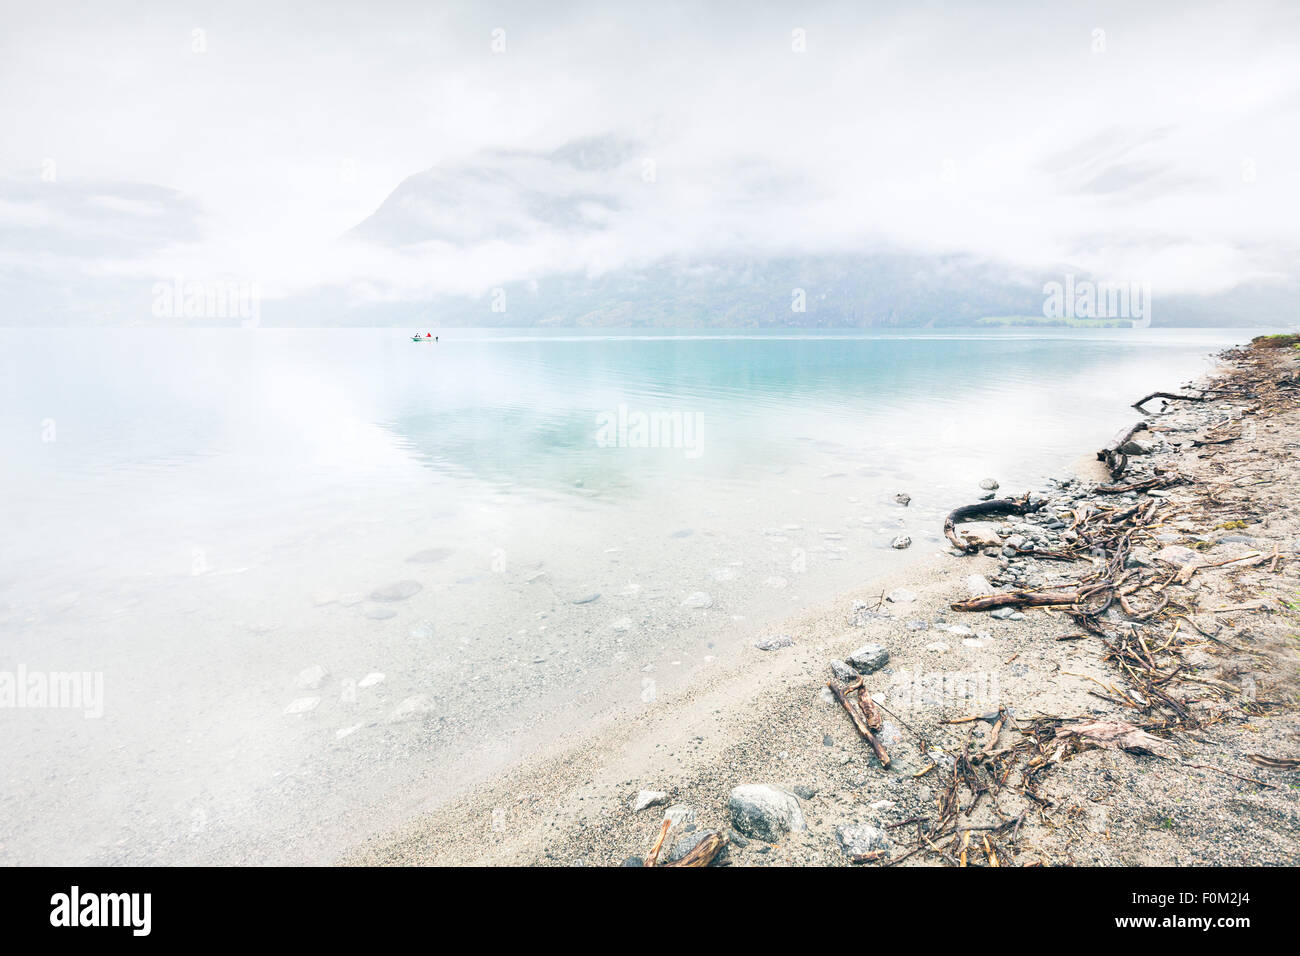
(1151, 721)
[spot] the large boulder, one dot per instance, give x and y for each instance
(764, 812)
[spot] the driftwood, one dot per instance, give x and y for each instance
(1168, 396)
(863, 714)
(1160, 481)
(988, 602)
(1117, 735)
(704, 852)
(984, 509)
(653, 857)
(1114, 458)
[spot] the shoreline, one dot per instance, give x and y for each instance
(1012, 777)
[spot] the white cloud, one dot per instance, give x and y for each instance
(998, 131)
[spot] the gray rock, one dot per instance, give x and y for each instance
(916, 624)
(399, 591)
(862, 838)
(869, 658)
(901, 596)
(977, 586)
(765, 813)
(1003, 613)
(805, 792)
(903, 499)
(901, 542)
(775, 643)
(843, 672)
(989, 484)
(587, 598)
(1137, 446)
(632, 861)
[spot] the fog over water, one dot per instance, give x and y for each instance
(223, 526)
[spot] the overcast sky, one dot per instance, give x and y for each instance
(1154, 141)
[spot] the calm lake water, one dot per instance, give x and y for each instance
(206, 522)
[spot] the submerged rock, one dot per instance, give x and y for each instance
(903, 499)
(429, 556)
(409, 709)
(901, 542)
(764, 812)
(312, 677)
(990, 484)
(398, 591)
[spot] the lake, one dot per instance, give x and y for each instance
(323, 579)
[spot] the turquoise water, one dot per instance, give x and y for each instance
(200, 516)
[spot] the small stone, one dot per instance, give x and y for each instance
(843, 672)
(775, 643)
(1003, 613)
(409, 709)
(312, 677)
(764, 812)
(903, 499)
(805, 792)
(649, 798)
(901, 596)
(302, 705)
(989, 484)
(869, 658)
(977, 586)
(587, 598)
(863, 838)
(901, 542)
